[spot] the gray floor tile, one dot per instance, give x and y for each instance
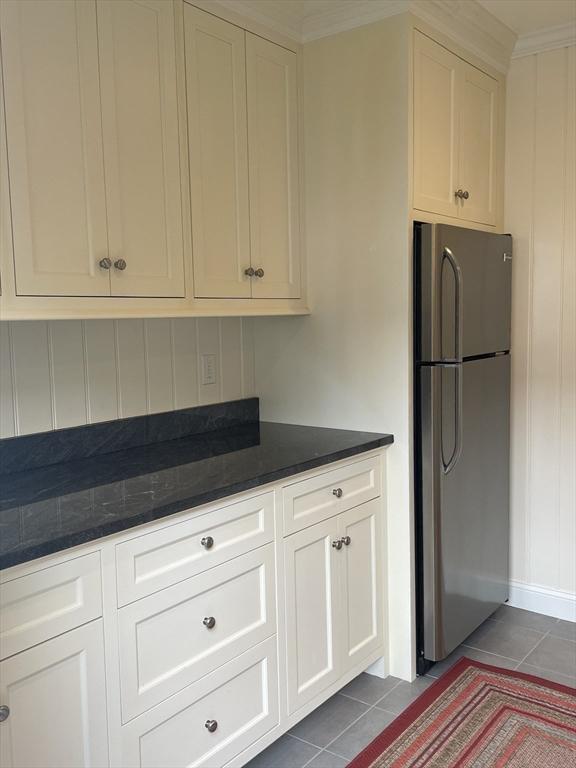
(404, 694)
(565, 629)
(284, 753)
(329, 720)
(521, 618)
(327, 760)
(472, 653)
(548, 675)
(504, 639)
(361, 733)
(555, 654)
(369, 688)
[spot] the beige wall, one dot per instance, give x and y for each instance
(540, 211)
(66, 373)
(348, 364)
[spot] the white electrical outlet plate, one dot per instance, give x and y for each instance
(208, 369)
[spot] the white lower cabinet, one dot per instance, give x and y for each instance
(177, 636)
(209, 723)
(333, 600)
(56, 698)
(159, 647)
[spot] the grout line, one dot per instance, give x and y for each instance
(533, 649)
(298, 738)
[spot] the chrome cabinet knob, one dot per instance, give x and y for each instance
(337, 544)
(465, 194)
(346, 540)
(209, 622)
(249, 272)
(105, 263)
(207, 542)
(459, 193)
(4, 713)
(338, 492)
(259, 272)
(120, 264)
(211, 725)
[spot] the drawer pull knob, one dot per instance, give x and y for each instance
(4, 713)
(120, 264)
(337, 544)
(207, 542)
(346, 540)
(209, 622)
(105, 263)
(249, 272)
(259, 272)
(211, 725)
(338, 492)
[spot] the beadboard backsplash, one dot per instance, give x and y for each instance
(70, 372)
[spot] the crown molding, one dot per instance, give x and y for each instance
(470, 25)
(465, 21)
(350, 14)
(545, 40)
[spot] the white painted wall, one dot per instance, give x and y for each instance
(65, 373)
(540, 211)
(348, 365)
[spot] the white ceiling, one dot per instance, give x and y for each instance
(525, 17)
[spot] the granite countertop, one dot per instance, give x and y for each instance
(47, 509)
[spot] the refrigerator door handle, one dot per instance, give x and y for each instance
(449, 256)
(449, 466)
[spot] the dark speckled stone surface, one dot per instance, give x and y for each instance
(51, 508)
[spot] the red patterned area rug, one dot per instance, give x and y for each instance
(479, 716)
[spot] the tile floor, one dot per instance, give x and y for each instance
(335, 732)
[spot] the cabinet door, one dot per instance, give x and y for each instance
(478, 144)
(273, 158)
(362, 588)
(137, 46)
(435, 127)
(57, 700)
(218, 152)
(312, 595)
(52, 102)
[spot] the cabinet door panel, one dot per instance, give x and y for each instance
(218, 151)
(141, 146)
(273, 159)
(435, 127)
(57, 700)
(311, 567)
(478, 137)
(362, 593)
(52, 102)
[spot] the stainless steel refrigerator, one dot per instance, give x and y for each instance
(462, 287)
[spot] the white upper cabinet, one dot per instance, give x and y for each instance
(455, 135)
(273, 157)
(218, 152)
(141, 146)
(435, 128)
(478, 135)
(93, 147)
(50, 63)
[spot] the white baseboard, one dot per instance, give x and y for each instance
(550, 602)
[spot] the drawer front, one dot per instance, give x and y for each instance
(318, 498)
(157, 560)
(49, 602)
(165, 642)
(241, 697)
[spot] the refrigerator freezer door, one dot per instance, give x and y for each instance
(464, 280)
(465, 504)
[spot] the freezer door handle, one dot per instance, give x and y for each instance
(452, 260)
(448, 466)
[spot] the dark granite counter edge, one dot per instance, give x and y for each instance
(87, 536)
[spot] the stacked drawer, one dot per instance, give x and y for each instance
(197, 620)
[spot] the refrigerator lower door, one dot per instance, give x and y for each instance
(465, 414)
